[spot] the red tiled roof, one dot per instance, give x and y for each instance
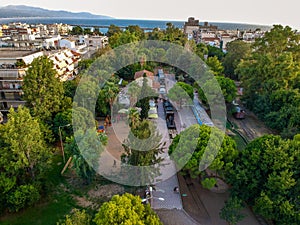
(141, 74)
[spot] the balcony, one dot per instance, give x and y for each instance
(12, 73)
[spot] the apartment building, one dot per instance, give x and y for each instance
(13, 66)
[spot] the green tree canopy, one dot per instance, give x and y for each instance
(142, 148)
(266, 176)
(77, 217)
(236, 51)
(228, 88)
(215, 66)
(43, 91)
(113, 29)
(85, 159)
(180, 93)
(181, 149)
(126, 209)
(77, 30)
(231, 211)
(24, 157)
(270, 76)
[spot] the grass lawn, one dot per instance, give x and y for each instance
(60, 198)
(51, 208)
(43, 213)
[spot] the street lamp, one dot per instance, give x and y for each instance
(61, 144)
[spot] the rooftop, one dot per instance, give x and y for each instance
(9, 53)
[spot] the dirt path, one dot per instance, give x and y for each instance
(204, 205)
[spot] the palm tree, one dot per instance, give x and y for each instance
(133, 117)
(110, 92)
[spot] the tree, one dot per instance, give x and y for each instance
(201, 50)
(146, 93)
(43, 91)
(133, 90)
(77, 30)
(265, 175)
(70, 87)
(214, 51)
(77, 217)
(190, 146)
(24, 157)
(110, 92)
(85, 159)
(142, 148)
(174, 35)
(231, 211)
(62, 119)
(126, 209)
(271, 69)
(137, 31)
(215, 66)
(125, 37)
(181, 92)
(133, 118)
(228, 88)
(113, 29)
(85, 64)
(236, 51)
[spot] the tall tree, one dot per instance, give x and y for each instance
(110, 92)
(236, 51)
(23, 159)
(145, 94)
(142, 148)
(133, 90)
(43, 90)
(215, 66)
(228, 88)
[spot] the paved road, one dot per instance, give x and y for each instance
(172, 199)
(183, 119)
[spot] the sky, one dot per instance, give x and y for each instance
(263, 12)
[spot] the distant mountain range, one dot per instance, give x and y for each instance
(12, 11)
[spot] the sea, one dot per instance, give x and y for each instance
(126, 22)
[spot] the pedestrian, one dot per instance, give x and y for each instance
(176, 189)
(115, 163)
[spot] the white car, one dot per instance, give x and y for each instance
(152, 103)
(162, 90)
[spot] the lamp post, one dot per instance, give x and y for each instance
(61, 144)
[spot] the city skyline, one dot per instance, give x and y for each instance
(255, 12)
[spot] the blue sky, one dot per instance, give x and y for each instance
(265, 12)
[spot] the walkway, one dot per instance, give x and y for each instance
(165, 187)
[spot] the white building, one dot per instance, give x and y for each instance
(67, 43)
